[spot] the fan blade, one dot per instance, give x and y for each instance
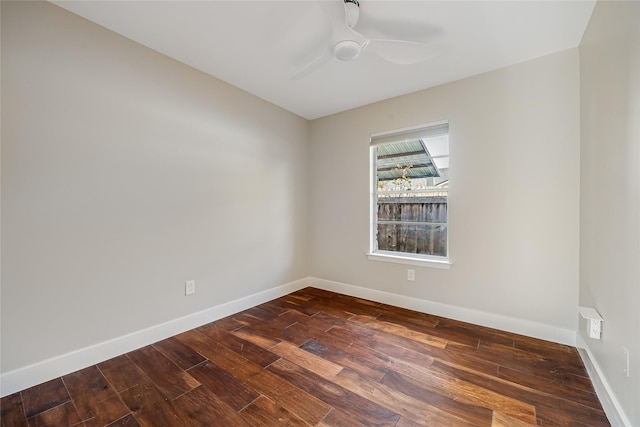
(314, 65)
(384, 20)
(401, 51)
(334, 11)
(307, 36)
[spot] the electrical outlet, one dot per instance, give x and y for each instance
(190, 287)
(625, 351)
(411, 275)
(594, 328)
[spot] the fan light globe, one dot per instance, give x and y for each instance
(347, 50)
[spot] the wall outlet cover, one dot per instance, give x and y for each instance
(190, 287)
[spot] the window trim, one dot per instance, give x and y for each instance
(411, 259)
(374, 254)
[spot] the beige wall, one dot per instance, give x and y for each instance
(514, 192)
(125, 173)
(610, 193)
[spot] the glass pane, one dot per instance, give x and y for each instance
(413, 165)
(426, 239)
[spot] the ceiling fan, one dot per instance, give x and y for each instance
(347, 44)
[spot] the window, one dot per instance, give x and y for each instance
(410, 187)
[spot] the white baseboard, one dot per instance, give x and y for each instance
(496, 321)
(610, 404)
(28, 376)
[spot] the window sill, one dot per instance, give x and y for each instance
(444, 264)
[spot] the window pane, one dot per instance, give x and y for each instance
(425, 239)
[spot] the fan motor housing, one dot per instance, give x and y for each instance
(347, 50)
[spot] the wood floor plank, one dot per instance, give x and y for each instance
(219, 354)
(318, 358)
(234, 341)
(410, 321)
(325, 321)
(166, 375)
(435, 328)
(570, 415)
(305, 405)
(12, 411)
(100, 413)
(578, 382)
(534, 364)
(462, 337)
(481, 332)
(550, 349)
(327, 307)
(139, 393)
(274, 309)
(178, 353)
(411, 352)
(410, 407)
(301, 305)
(262, 312)
(356, 358)
(406, 422)
(126, 421)
(44, 397)
(151, 408)
(461, 391)
(276, 331)
(89, 379)
(259, 340)
(351, 332)
(324, 368)
(95, 400)
(290, 317)
(338, 397)
(338, 418)
(297, 295)
(398, 330)
(406, 314)
(336, 309)
(308, 329)
(397, 355)
(465, 361)
(122, 373)
(585, 396)
(547, 408)
(347, 304)
(401, 340)
(472, 412)
(501, 420)
(234, 322)
(265, 412)
(60, 415)
(228, 388)
(446, 400)
(202, 407)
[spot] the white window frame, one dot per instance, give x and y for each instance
(374, 254)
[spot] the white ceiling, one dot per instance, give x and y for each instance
(259, 45)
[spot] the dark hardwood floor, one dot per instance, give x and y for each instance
(316, 358)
